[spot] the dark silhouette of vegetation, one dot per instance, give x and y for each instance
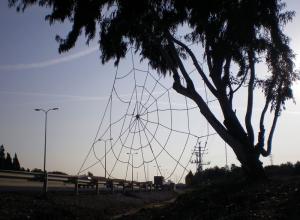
(7, 163)
(235, 173)
(90, 174)
(58, 172)
(227, 39)
(37, 170)
(16, 163)
(2, 157)
(189, 178)
(232, 199)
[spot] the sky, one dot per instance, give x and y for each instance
(33, 75)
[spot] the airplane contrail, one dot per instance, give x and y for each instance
(48, 63)
(76, 97)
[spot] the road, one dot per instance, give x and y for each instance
(23, 185)
(13, 185)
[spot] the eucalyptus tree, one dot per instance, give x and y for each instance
(232, 37)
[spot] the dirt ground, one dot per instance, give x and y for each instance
(274, 199)
(58, 206)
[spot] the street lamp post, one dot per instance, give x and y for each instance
(104, 140)
(45, 185)
(131, 154)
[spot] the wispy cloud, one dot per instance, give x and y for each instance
(293, 112)
(48, 63)
(61, 96)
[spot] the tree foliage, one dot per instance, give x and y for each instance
(6, 162)
(231, 37)
(2, 157)
(16, 163)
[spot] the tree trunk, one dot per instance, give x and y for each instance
(250, 162)
(236, 139)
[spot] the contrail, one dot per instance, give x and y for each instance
(48, 63)
(75, 97)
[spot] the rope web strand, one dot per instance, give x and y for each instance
(149, 126)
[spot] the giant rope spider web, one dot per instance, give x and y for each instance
(148, 127)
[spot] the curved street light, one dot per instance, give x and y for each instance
(45, 185)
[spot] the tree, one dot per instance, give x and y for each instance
(15, 163)
(8, 162)
(189, 178)
(2, 157)
(36, 170)
(231, 37)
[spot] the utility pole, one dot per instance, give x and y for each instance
(199, 151)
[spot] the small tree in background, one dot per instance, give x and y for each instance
(189, 178)
(8, 162)
(36, 170)
(15, 163)
(90, 174)
(2, 157)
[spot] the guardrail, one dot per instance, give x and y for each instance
(82, 181)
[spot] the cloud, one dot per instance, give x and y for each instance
(293, 112)
(61, 96)
(48, 63)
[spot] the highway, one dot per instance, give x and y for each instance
(15, 185)
(11, 181)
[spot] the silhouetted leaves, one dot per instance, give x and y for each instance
(2, 156)
(6, 162)
(232, 36)
(16, 163)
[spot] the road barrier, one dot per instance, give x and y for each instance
(81, 182)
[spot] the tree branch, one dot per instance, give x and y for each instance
(209, 64)
(260, 144)
(174, 54)
(236, 143)
(270, 138)
(237, 146)
(226, 80)
(261, 135)
(248, 117)
(241, 83)
(199, 69)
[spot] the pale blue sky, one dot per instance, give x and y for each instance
(33, 75)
